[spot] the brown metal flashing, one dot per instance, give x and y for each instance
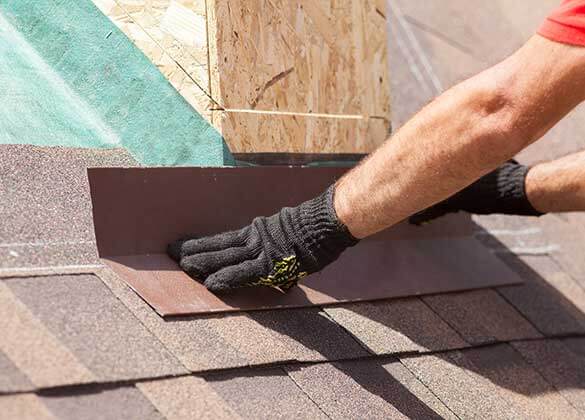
(138, 211)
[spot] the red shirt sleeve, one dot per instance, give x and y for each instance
(566, 24)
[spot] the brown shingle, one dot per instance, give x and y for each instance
(467, 394)
(33, 348)
(12, 379)
(549, 298)
(561, 367)
(519, 383)
(481, 316)
(50, 210)
(88, 320)
(266, 394)
(224, 341)
(24, 407)
(118, 403)
(186, 398)
(368, 389)
(396, 326)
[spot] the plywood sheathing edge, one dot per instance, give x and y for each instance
(284, 132)
(173, 35)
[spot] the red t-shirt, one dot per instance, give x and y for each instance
(566, 24)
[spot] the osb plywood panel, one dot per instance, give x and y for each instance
(173, 34)
(327, 58)
(270, 132)
(324, 56)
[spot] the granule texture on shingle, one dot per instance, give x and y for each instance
(44, 194)
(105, 404)
(481, 316)
(95, 326)
(550, 299)
(32, 347)
(403, 325)
(576, 345)
(561, 367)
(369, 389)
(266, 394)
(23, 407)
(223, 341)
(566, 232)
(466, 393)
(186, 398)
(519, 383)
(11, 378)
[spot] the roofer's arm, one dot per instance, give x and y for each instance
(461, 136)
(464, 134)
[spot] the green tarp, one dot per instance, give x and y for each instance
(69, 77)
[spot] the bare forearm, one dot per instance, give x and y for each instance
(458, 138)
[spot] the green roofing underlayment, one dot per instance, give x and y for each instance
(70, 77)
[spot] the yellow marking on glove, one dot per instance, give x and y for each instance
(285, 274)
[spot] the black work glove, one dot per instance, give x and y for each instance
(502, 191)
(273, 251)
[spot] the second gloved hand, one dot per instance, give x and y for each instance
(273, 251)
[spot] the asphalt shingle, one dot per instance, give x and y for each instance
(88, 320)
(481, 316)
(24, 407)
(368, 389)
(12, 379)
(397, 326)
(467, 394)
(267, 394)
(519, 383)
(50, 208)
(33, 349)
(186, 398)
(235, 340)
(560, 366)
(118, 403)
(549, 298)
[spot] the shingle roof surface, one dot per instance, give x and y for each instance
(76, 342)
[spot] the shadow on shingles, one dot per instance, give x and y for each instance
(500, 364)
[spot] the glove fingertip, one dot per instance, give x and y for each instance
(174, 249)
(217, 286)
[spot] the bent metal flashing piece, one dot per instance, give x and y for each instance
(138, 211)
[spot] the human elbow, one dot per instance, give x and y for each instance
(503, 123)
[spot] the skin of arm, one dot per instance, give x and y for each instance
(465, 133)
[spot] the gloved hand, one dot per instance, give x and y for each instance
(273, 251)
(502, 191)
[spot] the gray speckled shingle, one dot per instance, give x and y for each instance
(126, 403)
(369, 389)
(396, 326)
(50, 207)
(481, 316)
(235, 340)
(267, 394)
(82, 313)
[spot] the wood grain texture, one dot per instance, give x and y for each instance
(277, 56)
(271, 132)
(173, 35)
(326, 56)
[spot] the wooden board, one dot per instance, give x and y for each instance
(326, 58)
